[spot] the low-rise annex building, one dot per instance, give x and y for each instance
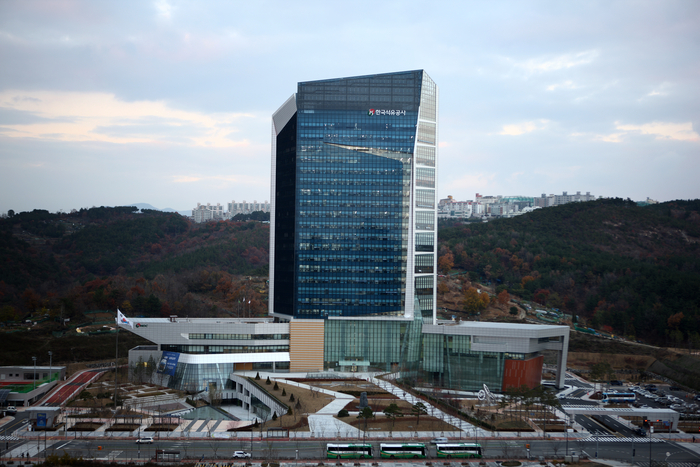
(195, 354)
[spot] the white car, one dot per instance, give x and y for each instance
(241, 455)
(147, 440)
(438, 440)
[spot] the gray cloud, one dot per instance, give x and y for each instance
(583, 68)
(9, 116)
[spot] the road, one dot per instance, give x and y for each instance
(607, 447)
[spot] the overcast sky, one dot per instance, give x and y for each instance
(170, 102)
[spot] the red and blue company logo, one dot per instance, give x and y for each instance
(371, 112)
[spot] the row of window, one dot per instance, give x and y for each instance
(217, 336)
(354, 214)
(353, 182)
(324, 279)
(355, 193)
(349, 301)
(425, 155)
(313, 311)
(428, 99)
(352, 269)
(424, 260)
(337, 158)
(353, 123)
(405, 140)
(309, 100)
(349, 247)
(354, 258)
(379, 172)
(354, 236)
(425, 220)
(425, 177)
(315, 202)
(379, 225)
(353, 292)
(425, 199)
(427, 132)
(205, 349)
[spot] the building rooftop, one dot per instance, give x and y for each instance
(509, 326)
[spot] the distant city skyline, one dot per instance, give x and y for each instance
(169, 102)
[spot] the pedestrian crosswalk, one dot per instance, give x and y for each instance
(615, 439)
(8, 438)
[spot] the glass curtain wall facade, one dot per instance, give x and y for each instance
(354, 205)
(373, 344)
(449, 361)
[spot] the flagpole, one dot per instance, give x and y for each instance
(116, 365)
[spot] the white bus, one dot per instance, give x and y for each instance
(348, 451)
(450, 450)
(402, 450)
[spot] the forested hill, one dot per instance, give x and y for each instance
(148, 263)
(620, 267)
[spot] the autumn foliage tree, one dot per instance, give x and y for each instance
(503, 298)
(446, 262)
(475, 301)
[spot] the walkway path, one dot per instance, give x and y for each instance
(459, 424)
(323, 424)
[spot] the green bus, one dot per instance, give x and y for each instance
(402, 450)
(349, 451)
(450, 450)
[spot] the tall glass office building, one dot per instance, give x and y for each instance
(353, 220)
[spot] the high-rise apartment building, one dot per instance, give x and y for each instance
(353, 220)
(208, 212)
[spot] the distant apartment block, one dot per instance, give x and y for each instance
(246, 208)
(503, 206)
(545, 201)
(208, 212)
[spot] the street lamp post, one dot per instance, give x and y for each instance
(651, 432)
(50, 357)
(34, 359)
(596, 446)
(567, 434)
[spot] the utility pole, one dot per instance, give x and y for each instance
(34, 359)
(50, 374)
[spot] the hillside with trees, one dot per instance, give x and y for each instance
(147, 263)
(618, 267)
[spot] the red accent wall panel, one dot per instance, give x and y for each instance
(519, 372)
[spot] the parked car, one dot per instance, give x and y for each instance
(147, 440)
(241, 455)
(439, 440)
(641, 432)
